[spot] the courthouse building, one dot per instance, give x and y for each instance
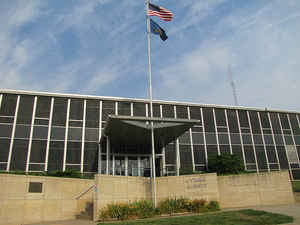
(50, 131)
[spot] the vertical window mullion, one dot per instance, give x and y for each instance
(13, 133)
(191, 140)
(273, 136)
(31, 134)
(289, 165)
(228, 132)
(1, 100)
(49, 133)
(100, 136)
(292, 134)
(204, 138)
(83, 136)
(217, 137)
(263, 139)
(177, 147)
(241, 139)
(254, 149)
(66, 134)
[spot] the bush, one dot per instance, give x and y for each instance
(122, 211)
(225, 164)
(145, 209)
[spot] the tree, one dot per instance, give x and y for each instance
(225, 164)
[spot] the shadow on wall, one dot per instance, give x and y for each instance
(87, 213)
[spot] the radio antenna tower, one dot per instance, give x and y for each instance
(232, 86)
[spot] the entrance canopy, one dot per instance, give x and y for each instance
(136, 131)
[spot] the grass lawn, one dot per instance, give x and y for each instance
(241, 217)
(296, 186)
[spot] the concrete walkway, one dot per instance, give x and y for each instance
(290, 210)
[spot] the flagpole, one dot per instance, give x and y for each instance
(151, 107)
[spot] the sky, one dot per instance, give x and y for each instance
(99, 47)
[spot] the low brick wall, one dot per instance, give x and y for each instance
(231, 191)
(190, 186)
(60, 199)
(255, 189)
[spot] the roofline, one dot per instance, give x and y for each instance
(53, 94)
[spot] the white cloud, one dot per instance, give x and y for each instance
(264, 60)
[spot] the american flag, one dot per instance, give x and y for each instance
(161, 12)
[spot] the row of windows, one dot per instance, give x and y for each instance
(214, 118)
(80, 111)
(54, 158)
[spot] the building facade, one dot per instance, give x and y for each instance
(50, 131)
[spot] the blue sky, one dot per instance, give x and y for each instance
(99, 47)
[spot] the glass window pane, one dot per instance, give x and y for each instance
(25, 110)
(275, 123)
(139, 109)
(19, 155)
(195, 113)
(43, 107)
(268, 140)
(5, 130)
(91, 134)
(185, 156)
(4, 143)
(56, 155)
(182, 112)
(288, 140)
(265, 123)
(73, 152)
(282, 157)
(108, 108)
(38, 151)
(224, 149)
(237, 150)
(90, 157)
(247, 139)
(208, 118)
(232, 121)
(59, 112)
(249, 154)
(199, 154)
(168, 111)
(170, 153)
(198, 138)
(210, 138)
(124, 108)
(243, 118)
(255, 126)
(223, 139)
(22, 131)
(284, 121)
(235, 139)
(261, 157)
(212, 150)
(8, 105)
(92, 113)
(185, 138)
(278, 139)
(58, 133)
(258, 139)
(76, 109)
(75, 134)
(220, 117)
(295, 124)
(40, 132)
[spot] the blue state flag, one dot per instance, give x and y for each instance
(156, 29)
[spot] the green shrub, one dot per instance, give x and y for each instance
(213, 205)
(225, 164)
(122, 211)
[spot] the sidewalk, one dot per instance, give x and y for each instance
(290, 210)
